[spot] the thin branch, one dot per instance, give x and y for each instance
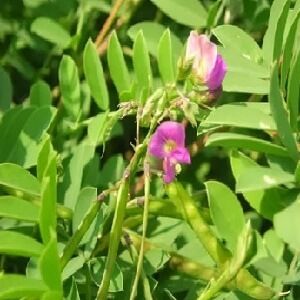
(108, 23)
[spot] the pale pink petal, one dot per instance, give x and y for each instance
(181, 155)
(217, 75)
(193, 46)
(209, 53)
(169, 170)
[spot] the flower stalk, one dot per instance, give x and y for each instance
(139, 267)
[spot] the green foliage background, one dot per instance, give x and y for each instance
(71, 86)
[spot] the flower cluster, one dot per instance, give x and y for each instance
(208, 68)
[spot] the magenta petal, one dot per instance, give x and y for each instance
(170, 130)
(217, 75)
(156, 145)
(181, 155)
(169, 170)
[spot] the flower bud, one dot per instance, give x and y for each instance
(208, 67)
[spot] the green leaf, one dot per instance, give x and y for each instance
(52, 295)
(289, 46)
(11, 125)
(117, 65)
(97, 128)
(47, 173)
(33, 3)
(293, 91)
(45, 155)
(223, 205)
(280, 115)
(245, 83)
(73, 175)
(49, 265)
(48, 207)
(86, 197)
(16, 178)
(93, 71)
(235, 140)
(14, 243)
(97, 267)
(214, 13)
(112, 170)
(273, 39)
(274, 244)
(165, 59)
(73, 293)
(240, 115)
(18, 286)
(6, 90)
(244, 45)
(70, 86)
(152, 34)
(74, 264)
(186, 12)
(27, 144)
(265, 202)
(258, 178)
(285, 223)
(236, 63)
(142, 67)
(155, 259)
(16, 208)
(40, 94)
(51, 31)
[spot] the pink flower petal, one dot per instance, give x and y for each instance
(193, 49)
(181, 155)
(173, 131)
(169, 170)
(209, 55)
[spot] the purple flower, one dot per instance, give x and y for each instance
(167, 143)
(207, 65)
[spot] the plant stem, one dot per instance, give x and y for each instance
(122, 199)
(116, 230)
(144, 229)
(105, 28)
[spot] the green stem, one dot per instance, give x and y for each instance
(73, 243)
(144, 229)
(114, 240)
(147, 288)
(116, 230)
